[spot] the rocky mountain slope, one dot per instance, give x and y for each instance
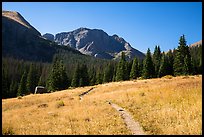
(96, 43)
(21, 40)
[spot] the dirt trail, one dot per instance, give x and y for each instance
(84, 93)
(129, 121)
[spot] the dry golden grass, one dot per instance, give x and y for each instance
(29, 115)
(161, 106)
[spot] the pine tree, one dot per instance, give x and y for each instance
(108, 73)
(5, 84)
(135, 69)
(170, 62)
(148, 67)
(129, 67)
(114, 73)
(140, 64)
(92, 76)
(13, 89)
(163, 69)
(84, 77)
(121, 73)
(31, 79)
(187, 65)
(41, 82)
(58, 79)
(200, 66)
(156, 59)
(182, 52)
(64, 80)
(81, 82)
(22, 90)
(99, 77)
(76, 77)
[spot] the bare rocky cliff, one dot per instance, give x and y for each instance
(97, 43)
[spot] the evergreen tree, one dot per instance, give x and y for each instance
(187, 65)
(140, 64)
(121, 73)
(99, 78)
(180, 66)
(129, 67)
(156, 59)
(5, 83)
(22, 90)
(170, 62)
(92, 76)
(76, 77)
(135, 69)
(163, 69)
(84, 77)
(148, 67)
(200, 66)
(114, 73)
(108, 73)
(58, 79)
(64, 80)
(13, 89)
(41, 82)
(178, 63)
(31, 79)
(81, 82)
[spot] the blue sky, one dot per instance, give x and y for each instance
(142, 24)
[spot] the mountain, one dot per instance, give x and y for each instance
(22, 41)
(49, 36)
(196, 44)
(97, 43)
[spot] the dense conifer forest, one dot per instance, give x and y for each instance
(20, 77)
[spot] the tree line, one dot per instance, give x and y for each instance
(62, 73)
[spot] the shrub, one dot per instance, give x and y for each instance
(19, 97)
(7, 131)
(184, 77)
(140, 78)
(168, 77)
(60, 104)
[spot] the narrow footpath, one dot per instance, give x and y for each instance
(129, 121)
(84, 93)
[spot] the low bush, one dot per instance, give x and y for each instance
(7, 131)
(60, 104)
(168, 77)
(19, 97)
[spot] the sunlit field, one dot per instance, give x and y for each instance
(162, 106)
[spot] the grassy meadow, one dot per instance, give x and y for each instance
(162, 106)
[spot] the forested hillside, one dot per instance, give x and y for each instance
(74, 70)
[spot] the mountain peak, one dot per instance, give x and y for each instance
(18, 18)
(97, 43)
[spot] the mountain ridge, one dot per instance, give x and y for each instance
(22, 41)
(97, 43)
